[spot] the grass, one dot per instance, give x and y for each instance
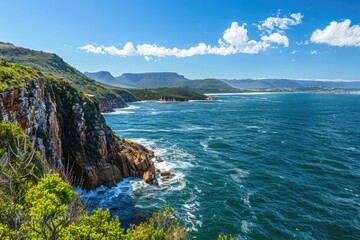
(15, 76)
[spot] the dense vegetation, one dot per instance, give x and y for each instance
(14, 76)
(179, 94)
(35, 203)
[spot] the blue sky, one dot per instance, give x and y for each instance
(199, 39)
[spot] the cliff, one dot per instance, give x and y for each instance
(68, 129)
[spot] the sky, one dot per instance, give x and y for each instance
(232, 39)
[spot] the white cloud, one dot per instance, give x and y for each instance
(314, 52)
(338, 34)
(276, 38)
(236, 36)
(93, 49)
(280, 24)
(235, 40)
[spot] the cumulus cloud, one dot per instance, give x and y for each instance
(338, 34)
(234, 40)
(280, 24)
(276, 38)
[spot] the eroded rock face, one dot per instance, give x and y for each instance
(111, 102)
(71, 134)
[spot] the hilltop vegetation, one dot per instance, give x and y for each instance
(14, 75)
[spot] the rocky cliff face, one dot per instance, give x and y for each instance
(71, 134)
(112, 101)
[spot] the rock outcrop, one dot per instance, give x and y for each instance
(112, 101)
(71, 134)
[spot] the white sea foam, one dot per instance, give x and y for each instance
(245, 226)
(253, 126)
(118, 112)
(239, 175)
(122, 110)
(262, 131)
(103, 194)
(153, 113)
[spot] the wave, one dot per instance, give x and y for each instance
(118, 112)
(122, 110)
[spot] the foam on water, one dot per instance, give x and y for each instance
(118, 111)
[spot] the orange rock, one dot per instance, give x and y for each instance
(158, 159)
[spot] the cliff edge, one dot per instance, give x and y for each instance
(68, 129)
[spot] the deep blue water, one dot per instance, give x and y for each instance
(281, 166)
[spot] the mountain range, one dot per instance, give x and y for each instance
(154, 80)
(289, 83)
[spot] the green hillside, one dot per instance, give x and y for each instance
(52, 64)
(211, 86)
(155, 80)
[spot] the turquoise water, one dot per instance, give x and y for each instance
(281, 166)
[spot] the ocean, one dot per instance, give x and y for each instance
(257, 166)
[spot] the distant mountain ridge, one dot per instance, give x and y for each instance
(105, 77)
(154, 80)
(288, 83)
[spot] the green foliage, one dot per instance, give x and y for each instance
(14, 75)
(6, 233)
(162, 225)
(20, 164)
(225, 237)
(50, 208)
(45, 207)
(9, 133)
(99, 225)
